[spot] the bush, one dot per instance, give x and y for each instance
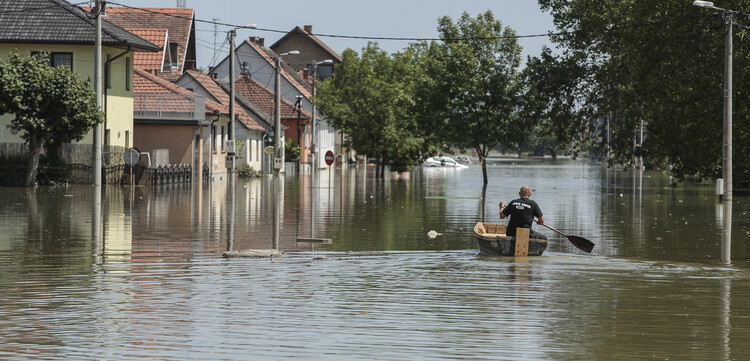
(291, 151)
(246, 171)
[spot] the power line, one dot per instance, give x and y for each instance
(396, 38)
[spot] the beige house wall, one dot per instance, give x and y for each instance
(119, 100)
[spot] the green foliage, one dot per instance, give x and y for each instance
(471, 87)
(291, 151)
(371, 99)
(51, 105)
(246, 171)
(661, 62)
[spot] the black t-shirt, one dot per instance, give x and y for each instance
(522, 212)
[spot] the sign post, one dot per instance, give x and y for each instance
(330, 158)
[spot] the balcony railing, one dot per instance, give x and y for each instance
(169, 107)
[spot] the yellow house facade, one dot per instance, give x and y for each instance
(118, 103)
(67, 32)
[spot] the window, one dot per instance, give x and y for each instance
(58, 59)
(108, 72)
(61, 59)
(222, 139)
(213, 139)
(174, 55)
(128, 72)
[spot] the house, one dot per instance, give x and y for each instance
(293, 118)
(311, 50)
(67, 32)
(179, 26)
(251, 127)
(260, 65)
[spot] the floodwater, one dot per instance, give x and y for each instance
(133, 274)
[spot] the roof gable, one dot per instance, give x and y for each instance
(153, 61)
(178, 22)
(59, 22)
(265, 98)
(299, 31)
(222, 97)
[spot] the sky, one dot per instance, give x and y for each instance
(382, 18)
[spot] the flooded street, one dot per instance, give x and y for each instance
(132, 274)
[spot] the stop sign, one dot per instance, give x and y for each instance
(329, 157)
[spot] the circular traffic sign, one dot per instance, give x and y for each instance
(329, 157)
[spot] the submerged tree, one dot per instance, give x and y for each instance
(369, 99)
(471, 89)
(50, 105)
(660, 62)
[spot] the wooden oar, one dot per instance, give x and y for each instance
(581, 243)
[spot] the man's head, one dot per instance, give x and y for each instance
(525, 192)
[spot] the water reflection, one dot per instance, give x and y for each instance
(129, 273)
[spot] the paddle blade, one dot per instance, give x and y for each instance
(581, 243)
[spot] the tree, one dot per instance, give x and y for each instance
(51, 105)
(370, 99)
(472, 87)
(657, 61)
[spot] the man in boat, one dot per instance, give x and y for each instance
(522, 212)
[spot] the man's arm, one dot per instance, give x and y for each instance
(502, 206)
(540, 220)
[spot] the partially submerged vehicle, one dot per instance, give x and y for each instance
(439, 161)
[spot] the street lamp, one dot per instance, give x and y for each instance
(278, 162)
(728, 17)
(313, 150)
(230, 124)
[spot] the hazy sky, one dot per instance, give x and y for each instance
(383, 18)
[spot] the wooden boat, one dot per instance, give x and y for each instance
(493, 241)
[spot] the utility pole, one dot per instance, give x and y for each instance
(97, 163)
(278, 162)
(728, 53)
(230, 123)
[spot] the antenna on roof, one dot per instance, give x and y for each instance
(181, 4)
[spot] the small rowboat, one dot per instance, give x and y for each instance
(493, 241)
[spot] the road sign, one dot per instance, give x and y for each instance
(132, 156)
(330, 157)
(268, 150)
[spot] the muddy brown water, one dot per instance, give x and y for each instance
(141, 276)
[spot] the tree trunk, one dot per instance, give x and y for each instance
(35, 149)
(483, 162)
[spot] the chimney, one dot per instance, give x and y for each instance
(306, 74)
(262, 41)
(308, 29)
(253, 39)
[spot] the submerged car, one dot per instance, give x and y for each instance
(442, 162)
(463, 159)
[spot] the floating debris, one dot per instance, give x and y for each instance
(253, 253)
(433, 234)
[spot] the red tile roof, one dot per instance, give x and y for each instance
(145, 83)
(151, 61)
(265, 98)
(178, 21)
(222, 98)
(284, 72)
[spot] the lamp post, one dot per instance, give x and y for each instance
(230, 124)
(278, 162)
(313, 150)
(728, 17)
